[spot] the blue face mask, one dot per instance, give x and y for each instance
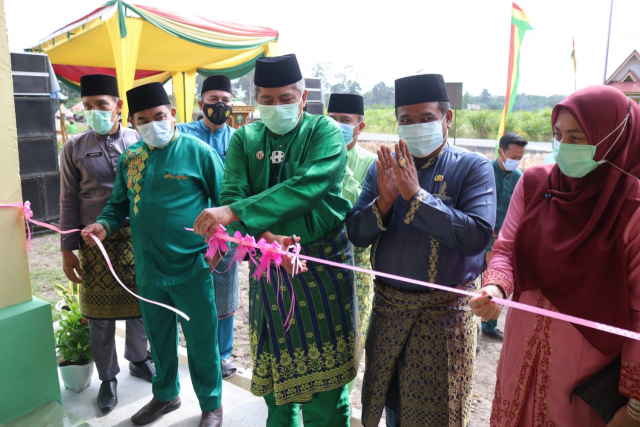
(99, 120)
(347, 132)
(157, 133)
(422, 138)
(509, 164)
(280, 119)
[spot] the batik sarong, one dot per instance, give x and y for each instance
(318, 349)
(420, 357)
(101, 297)
(364, 288)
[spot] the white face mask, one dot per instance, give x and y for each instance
(157, 133)
(423, 138)
(509, 164)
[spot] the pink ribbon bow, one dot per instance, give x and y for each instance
(217, 245)
(270, 252)
(246, 245)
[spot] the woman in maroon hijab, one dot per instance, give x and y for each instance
(571, 243)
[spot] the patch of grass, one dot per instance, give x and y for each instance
(42, 280)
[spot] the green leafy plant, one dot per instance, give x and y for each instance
(72, 339)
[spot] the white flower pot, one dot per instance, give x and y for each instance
(76, 377)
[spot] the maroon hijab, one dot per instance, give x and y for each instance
(570, 241)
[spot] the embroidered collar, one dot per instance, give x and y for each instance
(432, 160)
(176, 135)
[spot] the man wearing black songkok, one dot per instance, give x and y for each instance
(429, 211)
(162, 182)
(284, 176)
(87, 172)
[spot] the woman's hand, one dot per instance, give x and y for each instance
(483, 307)
(623, 419)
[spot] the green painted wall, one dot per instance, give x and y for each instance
(28, 368)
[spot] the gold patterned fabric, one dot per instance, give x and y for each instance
(322, 348)
(101, 297)
(420, 357)
(364, 288)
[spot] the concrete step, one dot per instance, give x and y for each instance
(49, 415)
(241, 408)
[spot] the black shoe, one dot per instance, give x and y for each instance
(154, 410)
(144, 370)
(108, 396)
(497, 335)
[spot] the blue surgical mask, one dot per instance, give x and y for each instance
(157, 133)
(347, 131)
(509, 164)
(280, 119)
(100, 121)
(422, 138)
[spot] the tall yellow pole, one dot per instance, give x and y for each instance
(15, 286)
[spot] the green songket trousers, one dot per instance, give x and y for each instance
(326, 409)
(196, 299)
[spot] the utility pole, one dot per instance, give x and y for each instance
(606, 58)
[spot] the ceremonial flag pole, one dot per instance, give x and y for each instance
(573, 57)
(519, 24)
(606, 55)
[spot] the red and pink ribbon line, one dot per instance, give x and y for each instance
(28, 214)
(221, 234)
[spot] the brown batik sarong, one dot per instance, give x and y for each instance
(101, 297)
(420, 356)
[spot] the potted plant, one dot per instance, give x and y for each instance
(75, 360)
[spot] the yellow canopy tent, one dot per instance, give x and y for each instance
(143, 44)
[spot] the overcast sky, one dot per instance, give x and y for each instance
(465, 40)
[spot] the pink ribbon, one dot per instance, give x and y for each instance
(270, 252)
(28, 214)
(271, 249)
(247, 245)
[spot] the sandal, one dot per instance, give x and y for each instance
(228, 368)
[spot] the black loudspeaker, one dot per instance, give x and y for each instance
(43, 192)
(315, 108)
(315, 98)
(31, 192)
(37, 139)
(28, 84)
(35, 116)
(37, 156)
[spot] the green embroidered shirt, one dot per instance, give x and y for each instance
(302, 194)
(163, 190)
(358, 163)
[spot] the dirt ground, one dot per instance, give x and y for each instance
(46, 269)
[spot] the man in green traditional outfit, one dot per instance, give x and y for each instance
(162, 182)
(347, 110)
(283, 178)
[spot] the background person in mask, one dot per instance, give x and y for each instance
(506, 174)
(88, 165)
(429, 213)
(216, 105)
(284, 177)
(571, 243)
(348, 111)
(162, 182)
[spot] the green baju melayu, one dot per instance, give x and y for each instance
(357, 166)
(163, 190)
(301, 195)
